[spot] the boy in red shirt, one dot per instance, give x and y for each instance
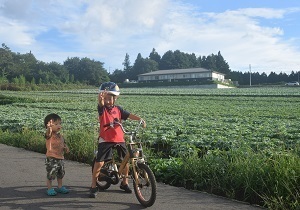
(110, 136)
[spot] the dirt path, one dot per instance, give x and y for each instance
(23, 186)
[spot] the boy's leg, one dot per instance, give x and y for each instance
(49, 184)
(60, 172)
(125, 173)
(124, 184)
(95, 174)
(51, 174)
(50, 191)
(104, 152)
(59, 182)
(51, 168)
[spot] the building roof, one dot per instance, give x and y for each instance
(178, 71)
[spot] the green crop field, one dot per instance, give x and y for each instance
(181, 123)
(212, 118)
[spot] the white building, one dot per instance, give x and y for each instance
(192, 74)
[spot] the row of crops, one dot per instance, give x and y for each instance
(182, 123)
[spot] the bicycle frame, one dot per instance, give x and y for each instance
(134, 154)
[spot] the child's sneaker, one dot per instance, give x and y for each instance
(125, 188)
(51, 192)
(93, 192)
(62, 190)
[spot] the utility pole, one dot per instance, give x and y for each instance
(250, 73)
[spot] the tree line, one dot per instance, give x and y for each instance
(25, 68)
(19, 69)
(181, 60)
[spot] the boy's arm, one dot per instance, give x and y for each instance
(101, 99)
(135, 117)
(100, 104)
(48, 133)
(66, 148)
(49, 129)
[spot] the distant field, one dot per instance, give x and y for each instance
(265, 118)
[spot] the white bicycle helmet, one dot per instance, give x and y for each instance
(110, 87)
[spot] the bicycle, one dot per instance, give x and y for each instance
(144, 182)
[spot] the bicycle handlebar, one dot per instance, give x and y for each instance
(116, 122)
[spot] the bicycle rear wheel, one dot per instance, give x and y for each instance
(145, 186)
(102, 185)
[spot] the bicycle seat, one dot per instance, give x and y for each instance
(116, 146)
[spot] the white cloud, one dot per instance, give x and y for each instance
(13, 31)
(239, 36)
(107, 30)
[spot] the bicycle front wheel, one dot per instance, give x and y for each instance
(145, 186)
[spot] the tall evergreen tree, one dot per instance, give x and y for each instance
(212, 62)
(263, 78)
(127, 66)
(138, 64)
(273, 78)
(294, 76)
(143, 65)
(193, 63)
(221, 65)
(181, 60)
(6, 60)
(154, 56)
(168, 61)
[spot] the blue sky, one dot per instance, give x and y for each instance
(263, 33)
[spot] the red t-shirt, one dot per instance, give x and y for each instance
(107, 116)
